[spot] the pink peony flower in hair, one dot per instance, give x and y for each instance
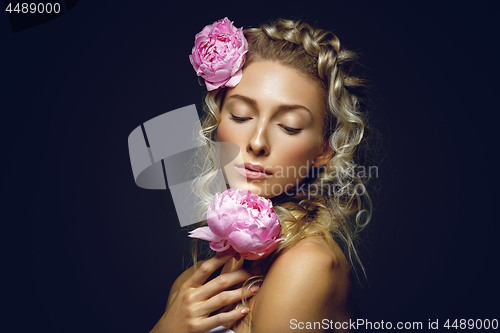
(241, 220)
(219, 54)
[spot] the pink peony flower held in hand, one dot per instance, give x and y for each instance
(242, 220)
(219, 54)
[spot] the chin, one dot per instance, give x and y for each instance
(260, 192)
(244, 185)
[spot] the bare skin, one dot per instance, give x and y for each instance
(307, 283)
(275, 116)
(192, 300)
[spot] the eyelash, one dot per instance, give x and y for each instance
(238, 119)
(292, 130)
(287, 129)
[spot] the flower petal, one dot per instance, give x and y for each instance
(240, 241)
(233, 81)
(220, 246)
(204, 233)
(219, 53)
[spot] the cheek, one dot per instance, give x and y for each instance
(224, 132)
(300, 153)
(227, 133)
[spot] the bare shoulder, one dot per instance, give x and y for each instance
(312, 253)
(309, 282)
(180, 280)
(311, 264)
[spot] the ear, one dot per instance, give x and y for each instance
(324, 155)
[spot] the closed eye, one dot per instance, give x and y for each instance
(239, 119)
(291, 130)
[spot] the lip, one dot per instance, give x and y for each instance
(253, 171)
(254, 167)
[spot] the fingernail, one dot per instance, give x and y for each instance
(245, 310)
(254, 289)
(256, 270)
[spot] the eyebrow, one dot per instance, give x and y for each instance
(253, 103)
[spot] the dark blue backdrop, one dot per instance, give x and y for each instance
(86, 250)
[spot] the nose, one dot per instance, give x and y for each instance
(258, 143)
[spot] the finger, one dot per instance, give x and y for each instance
(207, 268)
(225, 317)
(228, 297)
(227, 280)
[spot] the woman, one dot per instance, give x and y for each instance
(289, 106)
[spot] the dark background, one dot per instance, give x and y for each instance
(86, 250)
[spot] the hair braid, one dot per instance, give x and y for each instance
(330, 199)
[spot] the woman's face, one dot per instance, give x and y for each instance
(275, 116)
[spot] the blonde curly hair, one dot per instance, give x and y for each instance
(333, 201)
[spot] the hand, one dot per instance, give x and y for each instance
(189, 311)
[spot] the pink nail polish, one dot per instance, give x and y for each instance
(245, 310)
(254, 289)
